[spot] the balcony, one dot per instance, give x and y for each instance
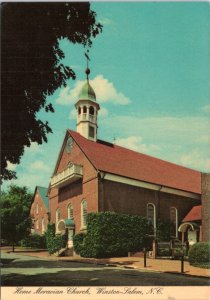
(68, 175)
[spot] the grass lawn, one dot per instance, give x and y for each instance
(202, 265)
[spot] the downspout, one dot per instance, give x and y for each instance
(158, 207)
(101, 176)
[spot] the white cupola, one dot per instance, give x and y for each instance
(87, 111)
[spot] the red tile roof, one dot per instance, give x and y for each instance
(194, 214)
(124, 162)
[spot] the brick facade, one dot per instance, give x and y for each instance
(107, 195)
(129, 199)
(205, 200)
(39, 214)
(76, 192)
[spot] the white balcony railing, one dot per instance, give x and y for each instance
(87, 117)
(68, 175)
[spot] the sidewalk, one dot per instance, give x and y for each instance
(159, 265)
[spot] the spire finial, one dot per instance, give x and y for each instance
(87, 71)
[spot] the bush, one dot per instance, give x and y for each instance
(163, 232)
(50, 233)
(199, 253)
(34, 241)
(54, 242)
(111, 234)
(164, 252)
(78, 241)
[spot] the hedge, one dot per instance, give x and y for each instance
(112, 234)
(34, 241)
(54, 242)
(163, 230)
(78, 241)
(199, 253)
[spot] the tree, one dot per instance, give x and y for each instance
(15, 208)
(32, 67)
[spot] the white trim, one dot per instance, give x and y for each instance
(154, 215)
(69, 210)
(83, 226)
(43, 225)
(183, 227)
(176, 215)
(147, 185)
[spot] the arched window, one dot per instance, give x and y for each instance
(91, 110)
(70, 211)
(37, 224)
(58, 215)
(37, 208)
(174, 221)
(43, 225)
(79, 110)
(84, 214)
(151, 215)
(84, 109)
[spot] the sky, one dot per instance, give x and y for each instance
(150, 70)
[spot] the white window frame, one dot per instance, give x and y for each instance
(83, 217)
(70, 211)
(37, 224)
(43, 225)
(57, 217)
(154, 215)
(176, 224)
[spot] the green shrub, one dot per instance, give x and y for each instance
(34, 241)
(54, 242)
(163, 230)
(50, 233)
(199, 253)
(164, 252)
(112, 234)
(78, 241)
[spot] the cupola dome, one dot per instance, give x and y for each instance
(87, 92)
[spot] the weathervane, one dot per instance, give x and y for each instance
(87, 71)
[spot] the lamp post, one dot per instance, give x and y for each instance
(182, 261)
(145, 257)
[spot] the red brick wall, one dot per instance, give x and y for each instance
(205, 212)
(124, 198)
(42, 213)
(74, 193)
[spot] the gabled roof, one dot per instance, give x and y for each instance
(194, 214)
(117, 160)
(43, 194)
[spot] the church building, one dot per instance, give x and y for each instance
(92, 175)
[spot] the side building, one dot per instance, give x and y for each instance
(39, 211)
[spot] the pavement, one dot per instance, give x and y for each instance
(157, 265)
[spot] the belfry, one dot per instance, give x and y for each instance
(87, 111)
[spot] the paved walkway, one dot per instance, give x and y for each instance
(161, 265)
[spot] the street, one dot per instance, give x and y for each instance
(22, 270)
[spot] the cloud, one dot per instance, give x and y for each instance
(195, 160)
(136, 143)
(106, 21)
(169, 138)
(73, 114)
(39, 165)
(103, 112)
(104, 89)
(10, 166)
(161, 129)
(206, 108)
(34, 148)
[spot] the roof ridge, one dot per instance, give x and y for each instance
(137, 152)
